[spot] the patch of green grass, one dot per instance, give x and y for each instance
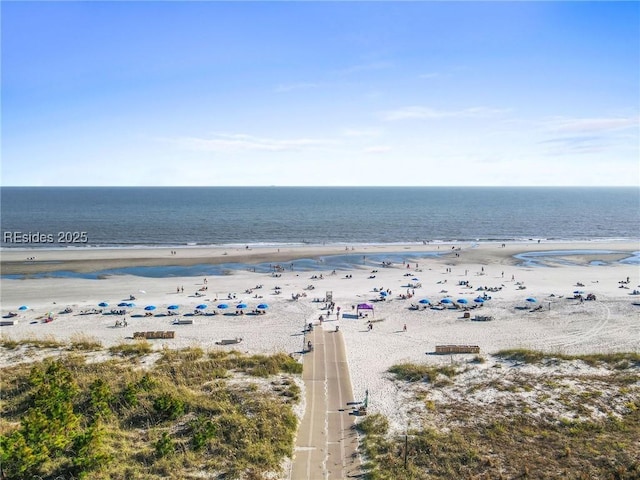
(522, 355)
(135, 349)
(618, 360)
(41, 343)
(84, 343)
(412, 372)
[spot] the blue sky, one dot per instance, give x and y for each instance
(320, 93)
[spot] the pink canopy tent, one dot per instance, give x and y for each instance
(364, 306)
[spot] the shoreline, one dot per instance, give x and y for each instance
(86, 260)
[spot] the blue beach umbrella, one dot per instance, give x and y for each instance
(578, 292)
(123, 304)
(446, 300)
(262, 306)
(222, 306)
(173, 307)
(103, 304)
(130, 305)
(202, 306)
(425, 301)
(463, 301)
(23, 307)
(150, 307)
(383, 294)
(479, 300)
(415, 279)
(240, 306)
(531, 300)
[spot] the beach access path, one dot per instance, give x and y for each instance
(326, 445)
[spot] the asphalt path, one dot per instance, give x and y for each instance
(326, 446)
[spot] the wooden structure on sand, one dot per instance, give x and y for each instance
(153, 335)
(446, 349)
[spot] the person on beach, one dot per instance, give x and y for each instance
(404, 329)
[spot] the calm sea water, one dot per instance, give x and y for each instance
(140, 216)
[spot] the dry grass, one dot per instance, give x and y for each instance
(536, 417)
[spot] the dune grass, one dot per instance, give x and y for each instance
(580, 427)
(412, 372)
(620, 360)
(67, 418)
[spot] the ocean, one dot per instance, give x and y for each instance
(36, 217)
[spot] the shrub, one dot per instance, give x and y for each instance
(164, 446)
(168, 407)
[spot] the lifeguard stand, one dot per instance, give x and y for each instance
(329, 296)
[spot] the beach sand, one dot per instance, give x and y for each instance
(562, 324)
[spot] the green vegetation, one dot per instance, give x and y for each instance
(135, 349)
(84, 342)
(621, 361)
(412, 372)
(71, 419)
(520, 447)
(77, 342)
(39, 343)
(573, 428)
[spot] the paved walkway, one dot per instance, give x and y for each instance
(326, 446)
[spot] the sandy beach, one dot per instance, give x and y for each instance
(555, 322)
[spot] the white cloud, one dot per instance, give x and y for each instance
(361, 132)
(569, 136)
(428, 113)
(377, 149)
(581, 144)
(224, 142)
(583, 125)
(430, 75)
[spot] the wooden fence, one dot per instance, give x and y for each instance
(152, 335)
(442, 349)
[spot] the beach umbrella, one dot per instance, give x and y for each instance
(531, 299)
(123, 304)
(262, 306)
(446, 300)
(463, 301)
(383, 294)
(222, 306)
(425, 301)
(103, 304)
(202, 306)
(173, 307)
(23, 307)
(415, 279)
(130, 305)
(150, 307)
(578, 292)
(240, 306)
(479, 300)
